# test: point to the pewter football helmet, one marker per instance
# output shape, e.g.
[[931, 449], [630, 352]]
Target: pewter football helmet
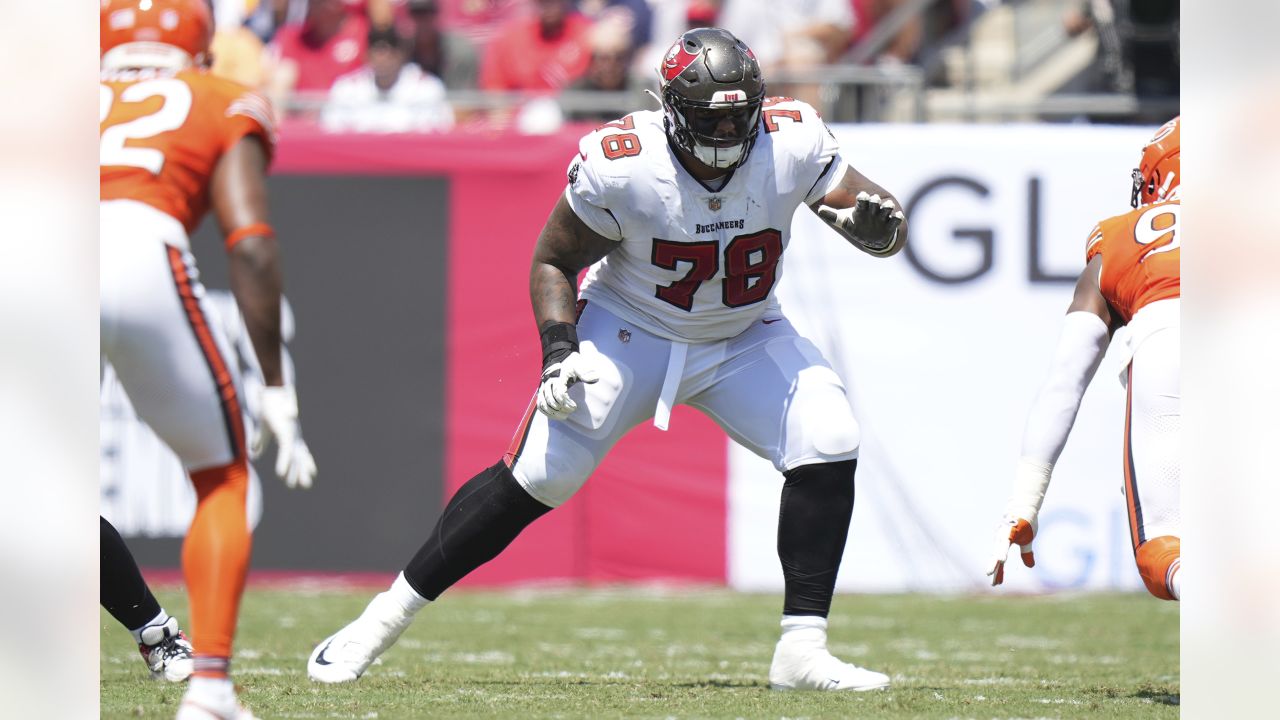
[[708, 76]]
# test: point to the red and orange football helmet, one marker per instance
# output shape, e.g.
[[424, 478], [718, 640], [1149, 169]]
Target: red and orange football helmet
[[1158, 173], [154, 33]]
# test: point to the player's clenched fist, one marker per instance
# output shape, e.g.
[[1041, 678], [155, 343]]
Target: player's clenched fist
[[557, 378], [872, 222]]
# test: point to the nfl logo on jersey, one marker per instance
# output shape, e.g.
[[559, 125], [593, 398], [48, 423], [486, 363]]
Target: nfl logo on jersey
[[714, 204]]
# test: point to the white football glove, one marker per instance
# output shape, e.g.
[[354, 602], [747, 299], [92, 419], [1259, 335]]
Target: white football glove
[[294, 463], [1012, 530], [872, 223], [557, 378]]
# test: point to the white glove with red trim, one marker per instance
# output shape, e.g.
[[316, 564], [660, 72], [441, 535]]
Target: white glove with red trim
[[1020, 522], [1012, 531]]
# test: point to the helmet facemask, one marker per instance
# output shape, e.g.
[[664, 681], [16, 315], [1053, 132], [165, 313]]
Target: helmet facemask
[[699, 128]]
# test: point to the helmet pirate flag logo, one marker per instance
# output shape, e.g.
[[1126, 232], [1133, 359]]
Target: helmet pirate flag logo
[[676, 61]]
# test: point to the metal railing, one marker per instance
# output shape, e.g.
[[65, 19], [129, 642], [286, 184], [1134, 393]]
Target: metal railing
[[833, 81], [845, 97]]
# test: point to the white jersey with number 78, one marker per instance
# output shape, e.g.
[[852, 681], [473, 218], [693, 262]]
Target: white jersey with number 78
[[697, 262]]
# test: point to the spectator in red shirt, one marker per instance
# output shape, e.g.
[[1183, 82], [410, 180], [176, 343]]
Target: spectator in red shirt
[[330, 42], [545, 50]]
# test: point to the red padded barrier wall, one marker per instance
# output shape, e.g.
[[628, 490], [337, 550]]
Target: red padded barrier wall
[[656, 509]]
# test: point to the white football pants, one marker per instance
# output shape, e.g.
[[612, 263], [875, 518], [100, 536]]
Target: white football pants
[[770, 389], [162, 338], [1153, 420]]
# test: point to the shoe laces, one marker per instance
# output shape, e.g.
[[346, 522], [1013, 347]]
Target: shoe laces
[[175, 647], [172, 647]]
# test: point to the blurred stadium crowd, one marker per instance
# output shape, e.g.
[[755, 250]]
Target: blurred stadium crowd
[[531, 65]]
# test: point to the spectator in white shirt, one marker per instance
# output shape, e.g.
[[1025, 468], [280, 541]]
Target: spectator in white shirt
[[388, 94]]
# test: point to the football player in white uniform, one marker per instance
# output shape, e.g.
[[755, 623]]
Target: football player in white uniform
[[682, 215]]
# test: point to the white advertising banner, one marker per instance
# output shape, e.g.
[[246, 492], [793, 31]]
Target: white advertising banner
[[944, 346]]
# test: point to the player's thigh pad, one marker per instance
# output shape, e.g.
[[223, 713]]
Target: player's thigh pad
[[168, 350], [1154, 424], [552, 459], [777, 396]]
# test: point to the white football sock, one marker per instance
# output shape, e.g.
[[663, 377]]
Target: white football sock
[[405, 596], [160, 619], [199, 685], [809, 629]]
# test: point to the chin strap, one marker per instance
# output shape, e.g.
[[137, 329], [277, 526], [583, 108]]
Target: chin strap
[[702, 151]]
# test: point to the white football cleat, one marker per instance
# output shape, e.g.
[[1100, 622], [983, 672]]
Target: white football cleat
[[807, 666], [166, 651], [212, 699], [345, 655]]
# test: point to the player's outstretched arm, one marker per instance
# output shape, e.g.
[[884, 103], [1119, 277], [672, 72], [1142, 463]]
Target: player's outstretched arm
[[867, 215], [565, 247], [1086, 332]]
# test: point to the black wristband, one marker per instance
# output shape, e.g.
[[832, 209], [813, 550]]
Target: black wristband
[[558, 341]]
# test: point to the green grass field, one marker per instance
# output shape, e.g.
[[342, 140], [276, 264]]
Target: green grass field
[[697, 654]]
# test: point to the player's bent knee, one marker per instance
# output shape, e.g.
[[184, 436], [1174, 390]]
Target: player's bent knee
[[834, 434], [1156, 557], [553, 478], [837, 439], [831, 430]]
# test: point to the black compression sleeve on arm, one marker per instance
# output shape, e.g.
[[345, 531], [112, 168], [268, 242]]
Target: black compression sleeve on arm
[[558, 341]]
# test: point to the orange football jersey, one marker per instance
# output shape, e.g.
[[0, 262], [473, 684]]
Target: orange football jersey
[[161, 134], [1141, 254]]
